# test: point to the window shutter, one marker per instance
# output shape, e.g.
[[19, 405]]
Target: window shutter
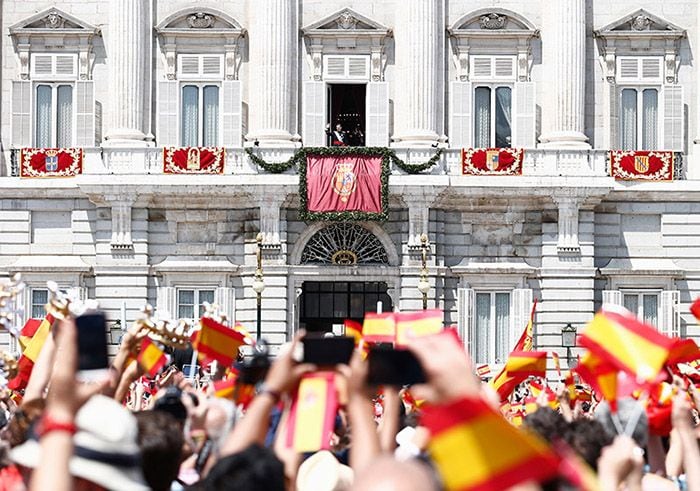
[[612, 297], [42, 65], [627, 69], [481, 67], [673, 117], [21, 113], [651, 69], [188, 65], [485, 68], [504, 67], [212, 66], [614, 101], [520, 308], [333, 67], [377, 114], [65, 65], [639, 69], [524, 128], [465, 315], [167, 128], [670, 319], [358, 67], [225, 298], [346, 67], [231, 113], [85, 113], [62, 66], [313, 131], [461, 115], [166, 301]]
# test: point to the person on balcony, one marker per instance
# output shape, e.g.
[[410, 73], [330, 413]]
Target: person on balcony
[[339, 138]]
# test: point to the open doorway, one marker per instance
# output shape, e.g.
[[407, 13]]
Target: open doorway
[[346, 106]]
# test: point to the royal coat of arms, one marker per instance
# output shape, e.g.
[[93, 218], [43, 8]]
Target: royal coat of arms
[[344, 181], [51, 160]]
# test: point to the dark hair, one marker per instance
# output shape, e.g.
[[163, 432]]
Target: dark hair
[[252, 469], [161, 448], [587, 437], [547, 423], [171, 403]]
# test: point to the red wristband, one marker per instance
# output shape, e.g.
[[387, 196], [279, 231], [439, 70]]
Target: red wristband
[[47, 424]]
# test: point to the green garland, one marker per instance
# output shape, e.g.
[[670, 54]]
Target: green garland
[[280, 167]]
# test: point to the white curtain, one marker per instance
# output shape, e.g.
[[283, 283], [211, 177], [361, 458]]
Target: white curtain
[[482, 117], [628, 118], [190, 116], [650, 119], [502, 323], [43, 116], [64, 116], [482, 332], [631, 303], [503, 117], [210, 124], [650, 305]]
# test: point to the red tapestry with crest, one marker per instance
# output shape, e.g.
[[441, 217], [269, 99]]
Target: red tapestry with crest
[[633, 165], [51, 162], [193, 160], [492, 161], [344, 183]]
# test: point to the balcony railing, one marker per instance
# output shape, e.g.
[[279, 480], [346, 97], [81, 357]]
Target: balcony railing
[[536, 162]]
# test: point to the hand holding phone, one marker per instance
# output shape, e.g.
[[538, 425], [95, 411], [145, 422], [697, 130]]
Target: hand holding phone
[[327, 351], [388, 366], [93, 359]]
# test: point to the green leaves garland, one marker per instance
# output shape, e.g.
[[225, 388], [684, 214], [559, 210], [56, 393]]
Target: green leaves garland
[[416, 168], [273, 168]]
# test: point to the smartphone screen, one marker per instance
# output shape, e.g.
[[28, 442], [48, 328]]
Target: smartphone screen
[[394, 367], [92, 342], [190, 370], [328, 351]]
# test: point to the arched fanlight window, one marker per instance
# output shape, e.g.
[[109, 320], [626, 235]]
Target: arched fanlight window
[[344, 244]]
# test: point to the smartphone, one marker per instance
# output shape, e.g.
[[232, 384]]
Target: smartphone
[[190, 370], [93, 360], [327, 350], [394, 367]]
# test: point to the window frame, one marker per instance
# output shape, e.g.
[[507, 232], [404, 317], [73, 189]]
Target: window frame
[[197, 306], [640, 293], [492, 348], [492, 86], [639, 137], [54, 112], [200, 84]]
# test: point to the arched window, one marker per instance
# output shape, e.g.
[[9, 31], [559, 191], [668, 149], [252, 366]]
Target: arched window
[[344, 244]]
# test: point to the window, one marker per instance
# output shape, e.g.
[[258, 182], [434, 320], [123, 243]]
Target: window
[[191, 301], [492, 116], [639, 118], [53, 115], [491, 334], [644, 304], [200, 115], [39, 298]]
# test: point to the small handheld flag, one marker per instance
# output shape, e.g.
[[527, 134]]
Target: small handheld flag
[[151, 357], [312, 414]]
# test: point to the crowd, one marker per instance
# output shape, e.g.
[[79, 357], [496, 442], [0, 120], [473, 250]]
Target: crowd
[[176, 430]]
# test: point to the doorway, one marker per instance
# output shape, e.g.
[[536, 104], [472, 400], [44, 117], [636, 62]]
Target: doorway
[[324, 305], [346, 106]]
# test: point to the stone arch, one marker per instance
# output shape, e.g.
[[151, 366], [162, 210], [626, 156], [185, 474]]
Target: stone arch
[[221, 19]]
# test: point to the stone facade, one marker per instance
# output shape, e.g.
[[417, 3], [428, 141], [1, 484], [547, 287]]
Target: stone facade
[[563, 232]]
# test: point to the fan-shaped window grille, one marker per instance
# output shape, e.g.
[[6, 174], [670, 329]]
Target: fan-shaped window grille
[[344, 244]]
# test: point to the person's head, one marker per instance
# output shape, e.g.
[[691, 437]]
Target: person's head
[[219, 420], [547, 423], [252, 469], [588, 438], [388, 474], [323, 472], [161, 448], [338, 127], [629, 412], [24, 417]]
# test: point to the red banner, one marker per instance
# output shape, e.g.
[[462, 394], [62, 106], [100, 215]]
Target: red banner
[[51, 162], [641, 165], [492, 161], [344, 183], [193, 160]]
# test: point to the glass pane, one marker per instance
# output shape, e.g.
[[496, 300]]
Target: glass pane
[[311, 301], [628, 120], [502, 327], [206, 296], [357, 305], [39, 299], [185, 297], [185, 311], [482, 334], [326, 305], [190, 119], [340, 305], [43, 116], [64, 116], [631, 302], [503, 117], [482, 117], [650, 119], [210, 122], [650, 306]]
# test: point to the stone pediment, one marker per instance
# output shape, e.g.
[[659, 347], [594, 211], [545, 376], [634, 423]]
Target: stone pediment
[[640, 23], [52, 21], [345, 20], [491, 20], [198, 20]]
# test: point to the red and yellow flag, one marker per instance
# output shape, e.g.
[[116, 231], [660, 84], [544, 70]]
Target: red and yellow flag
[[624, 342], [683, 351], [379, 328], [527, 363], [354, 330], [151, 357], [218, 341], [601, 376], [312, 414], [411, 325], [25, 364], [474, 448], [695, 308]]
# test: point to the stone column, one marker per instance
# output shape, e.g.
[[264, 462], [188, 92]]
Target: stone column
[[127, 47], [694, 174], [419, 41], [273, 88], [564, 53]]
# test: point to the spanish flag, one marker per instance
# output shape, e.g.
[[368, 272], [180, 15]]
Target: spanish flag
[[379, 328], [27, 333], [601, 376], [621, 340], [411, 325], [218, 341], [354, 330], [25, 364], [527, 363], [151, 357], [695, 308], [683, 351], [312, 414], [474, 448]]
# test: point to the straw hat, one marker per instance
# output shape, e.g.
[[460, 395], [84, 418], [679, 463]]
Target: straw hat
[[323, 472]]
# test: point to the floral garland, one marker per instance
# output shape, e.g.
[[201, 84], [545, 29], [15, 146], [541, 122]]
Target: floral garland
[[343, 216], [279, 167]]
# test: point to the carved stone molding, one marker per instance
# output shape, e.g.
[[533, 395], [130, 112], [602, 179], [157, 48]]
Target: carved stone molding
[[54, 21], [200, 20], [492, 21], [641, 23], [346, 21], [568, 220]]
